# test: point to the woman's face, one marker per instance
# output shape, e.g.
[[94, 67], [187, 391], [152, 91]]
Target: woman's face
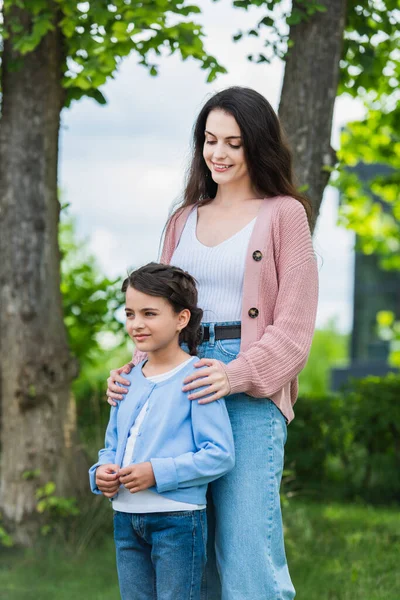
[[223, 149]]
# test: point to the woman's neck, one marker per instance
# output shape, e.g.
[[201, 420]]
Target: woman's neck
[[231, 195]]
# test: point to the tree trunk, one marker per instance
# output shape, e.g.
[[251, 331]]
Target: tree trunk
[[38, 420], [308, 95]]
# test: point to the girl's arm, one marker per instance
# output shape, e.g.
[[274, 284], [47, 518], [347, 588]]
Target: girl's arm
[[215, 454], [106, 454]]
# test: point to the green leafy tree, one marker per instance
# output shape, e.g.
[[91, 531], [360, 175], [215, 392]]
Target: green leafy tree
[[96, 337], [52, 52], [372, 73], [389, 330], [335, 47], [90, 300], [97, 35]]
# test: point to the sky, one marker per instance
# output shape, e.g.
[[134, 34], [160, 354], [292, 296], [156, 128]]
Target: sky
[[122, 165]]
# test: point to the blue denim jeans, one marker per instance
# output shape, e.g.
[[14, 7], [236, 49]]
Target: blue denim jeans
[[160, 556], [246, 554]]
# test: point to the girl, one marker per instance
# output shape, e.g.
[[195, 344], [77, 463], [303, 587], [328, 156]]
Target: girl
[[160, 448], [243, 232]]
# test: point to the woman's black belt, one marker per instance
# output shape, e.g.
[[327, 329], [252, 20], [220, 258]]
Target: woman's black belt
[[222, 332]]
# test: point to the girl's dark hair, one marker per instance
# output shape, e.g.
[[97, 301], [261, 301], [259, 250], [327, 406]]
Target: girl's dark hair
[[267, 154], [176, 286]]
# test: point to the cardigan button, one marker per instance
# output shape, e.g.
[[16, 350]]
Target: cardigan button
[[253, 313], [257, 255]]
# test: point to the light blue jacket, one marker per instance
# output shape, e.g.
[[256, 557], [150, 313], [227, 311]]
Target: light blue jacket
[[188, 444]]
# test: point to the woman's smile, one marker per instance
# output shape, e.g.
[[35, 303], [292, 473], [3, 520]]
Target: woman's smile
[[219, 167]]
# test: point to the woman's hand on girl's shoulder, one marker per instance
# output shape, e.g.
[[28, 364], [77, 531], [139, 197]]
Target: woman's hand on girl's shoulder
[[115, 391], [212, 378]]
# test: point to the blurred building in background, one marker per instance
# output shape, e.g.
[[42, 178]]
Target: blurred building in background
[[375, 289]]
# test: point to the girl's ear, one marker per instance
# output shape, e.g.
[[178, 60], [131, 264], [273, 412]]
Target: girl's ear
[[183, 318]]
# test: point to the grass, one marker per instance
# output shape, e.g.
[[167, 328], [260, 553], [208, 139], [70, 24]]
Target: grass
[[335, 552], [343, 552], [55, 573]]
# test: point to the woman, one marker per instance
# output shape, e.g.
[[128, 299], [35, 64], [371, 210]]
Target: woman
[[243, 233]]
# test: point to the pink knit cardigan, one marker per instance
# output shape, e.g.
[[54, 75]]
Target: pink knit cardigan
[[282, 285]]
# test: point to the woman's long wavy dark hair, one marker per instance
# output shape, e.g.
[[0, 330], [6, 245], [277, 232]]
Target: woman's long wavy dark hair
[[178, 288], [267, 154]]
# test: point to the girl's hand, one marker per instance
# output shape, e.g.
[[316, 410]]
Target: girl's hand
[[213, 376], [137, 477], [114, 391], [107, 479]]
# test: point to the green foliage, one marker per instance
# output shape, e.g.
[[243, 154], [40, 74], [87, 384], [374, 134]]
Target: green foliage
[[54, 507], [56, 511], [389, 330], [98, 34], [347, 445], [5, 538], [370, 59], [90, 300], [273, 27], [30, 475], [372, 208], [370, 71], [89, 390], [90, 303], [329, 349]]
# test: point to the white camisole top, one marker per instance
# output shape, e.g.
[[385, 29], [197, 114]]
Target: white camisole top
[[218, 270]]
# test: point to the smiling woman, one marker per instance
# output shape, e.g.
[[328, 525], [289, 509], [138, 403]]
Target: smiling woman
[[243, 233]]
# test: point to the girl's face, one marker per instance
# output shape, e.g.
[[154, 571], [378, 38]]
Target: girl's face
[[151, 321], [223, 149]]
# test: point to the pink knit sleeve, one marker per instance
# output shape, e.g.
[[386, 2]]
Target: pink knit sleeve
[[169, 239], [282, 351], [138, 356]]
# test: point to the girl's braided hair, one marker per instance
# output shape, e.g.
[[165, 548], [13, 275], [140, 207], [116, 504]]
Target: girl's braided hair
[[178, 287]]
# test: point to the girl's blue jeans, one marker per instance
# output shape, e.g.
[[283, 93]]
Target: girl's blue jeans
[[160, 556], [246, 554]]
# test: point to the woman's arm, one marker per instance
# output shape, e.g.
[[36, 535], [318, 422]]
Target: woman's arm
[[116, 383], [282, 351]]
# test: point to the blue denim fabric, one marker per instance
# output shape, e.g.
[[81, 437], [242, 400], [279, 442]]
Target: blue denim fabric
[[160, 556], [246, 554]]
